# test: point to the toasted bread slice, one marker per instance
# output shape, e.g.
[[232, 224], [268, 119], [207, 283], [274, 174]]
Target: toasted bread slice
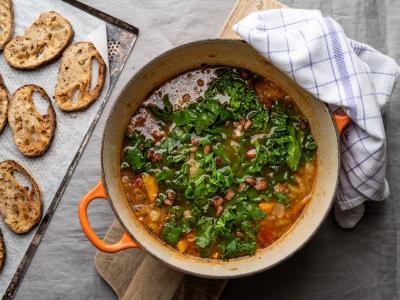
[[4, 96], [42, 42], [2, 251], [20, 207], [32, 132], [6, 22], [75, 75]]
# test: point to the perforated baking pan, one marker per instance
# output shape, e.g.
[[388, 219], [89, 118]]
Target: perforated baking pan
[[121, 38]]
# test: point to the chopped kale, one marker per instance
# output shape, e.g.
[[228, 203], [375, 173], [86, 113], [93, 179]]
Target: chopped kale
[[199, 162]]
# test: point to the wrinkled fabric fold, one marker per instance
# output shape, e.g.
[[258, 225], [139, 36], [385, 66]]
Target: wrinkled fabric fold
[[314, 51]]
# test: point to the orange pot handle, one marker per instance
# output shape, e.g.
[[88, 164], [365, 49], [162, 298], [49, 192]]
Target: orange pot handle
[[342, 121], [98, 192]]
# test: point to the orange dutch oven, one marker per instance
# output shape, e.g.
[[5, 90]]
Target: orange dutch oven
[[325, 128]]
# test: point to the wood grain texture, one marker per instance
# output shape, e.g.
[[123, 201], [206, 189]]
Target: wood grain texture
[[134, 275], [243, 8], [153, 280], [118, 269]]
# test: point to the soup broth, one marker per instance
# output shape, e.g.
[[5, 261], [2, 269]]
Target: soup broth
[[218, 163]]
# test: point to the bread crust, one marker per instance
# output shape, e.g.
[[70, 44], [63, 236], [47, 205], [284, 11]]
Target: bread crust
[[20, 207], [42, 43], [4, 100], [3, 252], [6, 22], [32, 132], [75, 74]]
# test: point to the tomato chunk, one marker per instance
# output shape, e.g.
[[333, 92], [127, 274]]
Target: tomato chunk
[[266, 236]]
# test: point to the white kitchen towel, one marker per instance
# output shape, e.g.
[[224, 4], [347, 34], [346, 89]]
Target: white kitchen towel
[[314, 51]]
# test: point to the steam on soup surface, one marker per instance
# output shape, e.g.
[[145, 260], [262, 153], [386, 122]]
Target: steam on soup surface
[[218, 163]]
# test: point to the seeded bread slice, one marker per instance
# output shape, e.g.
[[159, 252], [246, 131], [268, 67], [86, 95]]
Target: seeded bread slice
[[20, 207], [4, 96], [2, 251], [42, 42], [6, 22], [32, 132], [75, 75]]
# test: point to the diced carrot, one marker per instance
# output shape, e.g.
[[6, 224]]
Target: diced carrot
[[151, 186], [266, 207], [182, 245]]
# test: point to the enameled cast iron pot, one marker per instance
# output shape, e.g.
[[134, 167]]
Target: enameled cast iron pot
[[167, 66]]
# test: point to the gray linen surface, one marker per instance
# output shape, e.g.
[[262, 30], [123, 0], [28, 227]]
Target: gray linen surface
[[337, 264]]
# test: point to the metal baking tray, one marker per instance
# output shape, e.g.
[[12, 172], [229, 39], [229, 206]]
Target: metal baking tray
[[121, 38]]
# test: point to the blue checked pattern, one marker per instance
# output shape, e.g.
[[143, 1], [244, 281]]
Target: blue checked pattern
[[314, 51]]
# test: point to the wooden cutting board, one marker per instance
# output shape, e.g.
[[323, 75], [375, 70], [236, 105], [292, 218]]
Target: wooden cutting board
[[134, 275]]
